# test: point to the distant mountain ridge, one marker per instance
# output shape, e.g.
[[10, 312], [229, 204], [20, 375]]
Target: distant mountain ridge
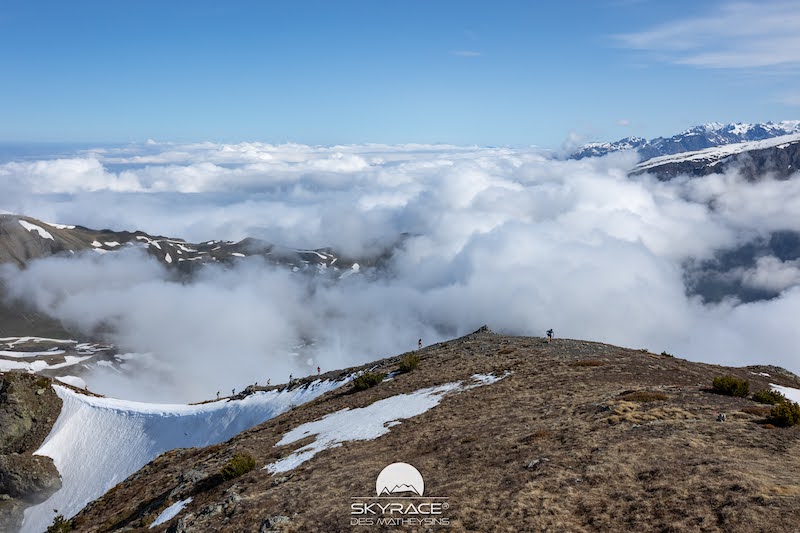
[[697, 138], [777, 157], [24, 238]]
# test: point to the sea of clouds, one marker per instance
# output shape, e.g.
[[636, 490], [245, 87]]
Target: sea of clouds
[[513, 238]]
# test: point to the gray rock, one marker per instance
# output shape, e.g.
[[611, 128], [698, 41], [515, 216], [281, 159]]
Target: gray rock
[[536, 463], [268, 524], [183, 525], [32, 478], [211, 510]]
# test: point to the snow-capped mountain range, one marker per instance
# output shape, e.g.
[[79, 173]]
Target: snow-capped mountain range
[[696, 138]]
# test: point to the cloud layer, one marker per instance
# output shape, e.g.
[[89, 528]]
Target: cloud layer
[[734, 35], [510, 238]]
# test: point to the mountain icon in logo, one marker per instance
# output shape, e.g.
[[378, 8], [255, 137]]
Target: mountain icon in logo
[[399, 478]]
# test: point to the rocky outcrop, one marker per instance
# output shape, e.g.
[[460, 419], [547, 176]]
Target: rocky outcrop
[[28, 409]]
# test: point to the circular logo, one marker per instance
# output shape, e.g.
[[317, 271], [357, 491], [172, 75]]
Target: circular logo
[[398, 478]]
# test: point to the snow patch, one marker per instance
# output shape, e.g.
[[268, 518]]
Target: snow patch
[[366, 423], [75, 381], [8, 353], [59, 226], [38, 366], [170, 512], [791, 393], [43, 233], [11, 341]]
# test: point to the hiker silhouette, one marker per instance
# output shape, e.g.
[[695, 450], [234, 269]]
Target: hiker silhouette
[[549, 335]]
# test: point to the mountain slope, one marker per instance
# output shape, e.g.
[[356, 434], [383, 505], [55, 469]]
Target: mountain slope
[[517, 434], [692, 139], [778, 157], [24, 238]]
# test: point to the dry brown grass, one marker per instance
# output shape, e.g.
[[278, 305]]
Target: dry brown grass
[[545, 449], [644, 396], [536, 436], [587, 362], [758, 411], [625, 411]]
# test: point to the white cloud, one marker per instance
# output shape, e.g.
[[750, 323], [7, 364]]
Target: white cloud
[[734, 35], [511, 238], [773, 274]]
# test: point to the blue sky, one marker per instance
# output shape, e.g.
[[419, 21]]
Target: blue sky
[[488, 73]]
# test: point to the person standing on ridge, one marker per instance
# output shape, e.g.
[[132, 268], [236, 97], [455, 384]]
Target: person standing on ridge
[[318, 371], [419, 345], [549, 335]]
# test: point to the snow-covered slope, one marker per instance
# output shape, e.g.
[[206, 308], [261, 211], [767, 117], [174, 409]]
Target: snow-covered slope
[[696, 138], [779, 156], [98, 442], [718, 153]]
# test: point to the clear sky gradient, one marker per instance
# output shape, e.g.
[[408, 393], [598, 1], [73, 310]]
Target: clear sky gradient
[[488, 73]]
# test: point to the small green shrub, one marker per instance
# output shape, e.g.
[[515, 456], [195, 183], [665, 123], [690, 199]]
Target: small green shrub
[[785, 414], [367, 380], [731, 386], [769, 396], [409, 362], [60, 524], [241, 463], [667, 354]]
